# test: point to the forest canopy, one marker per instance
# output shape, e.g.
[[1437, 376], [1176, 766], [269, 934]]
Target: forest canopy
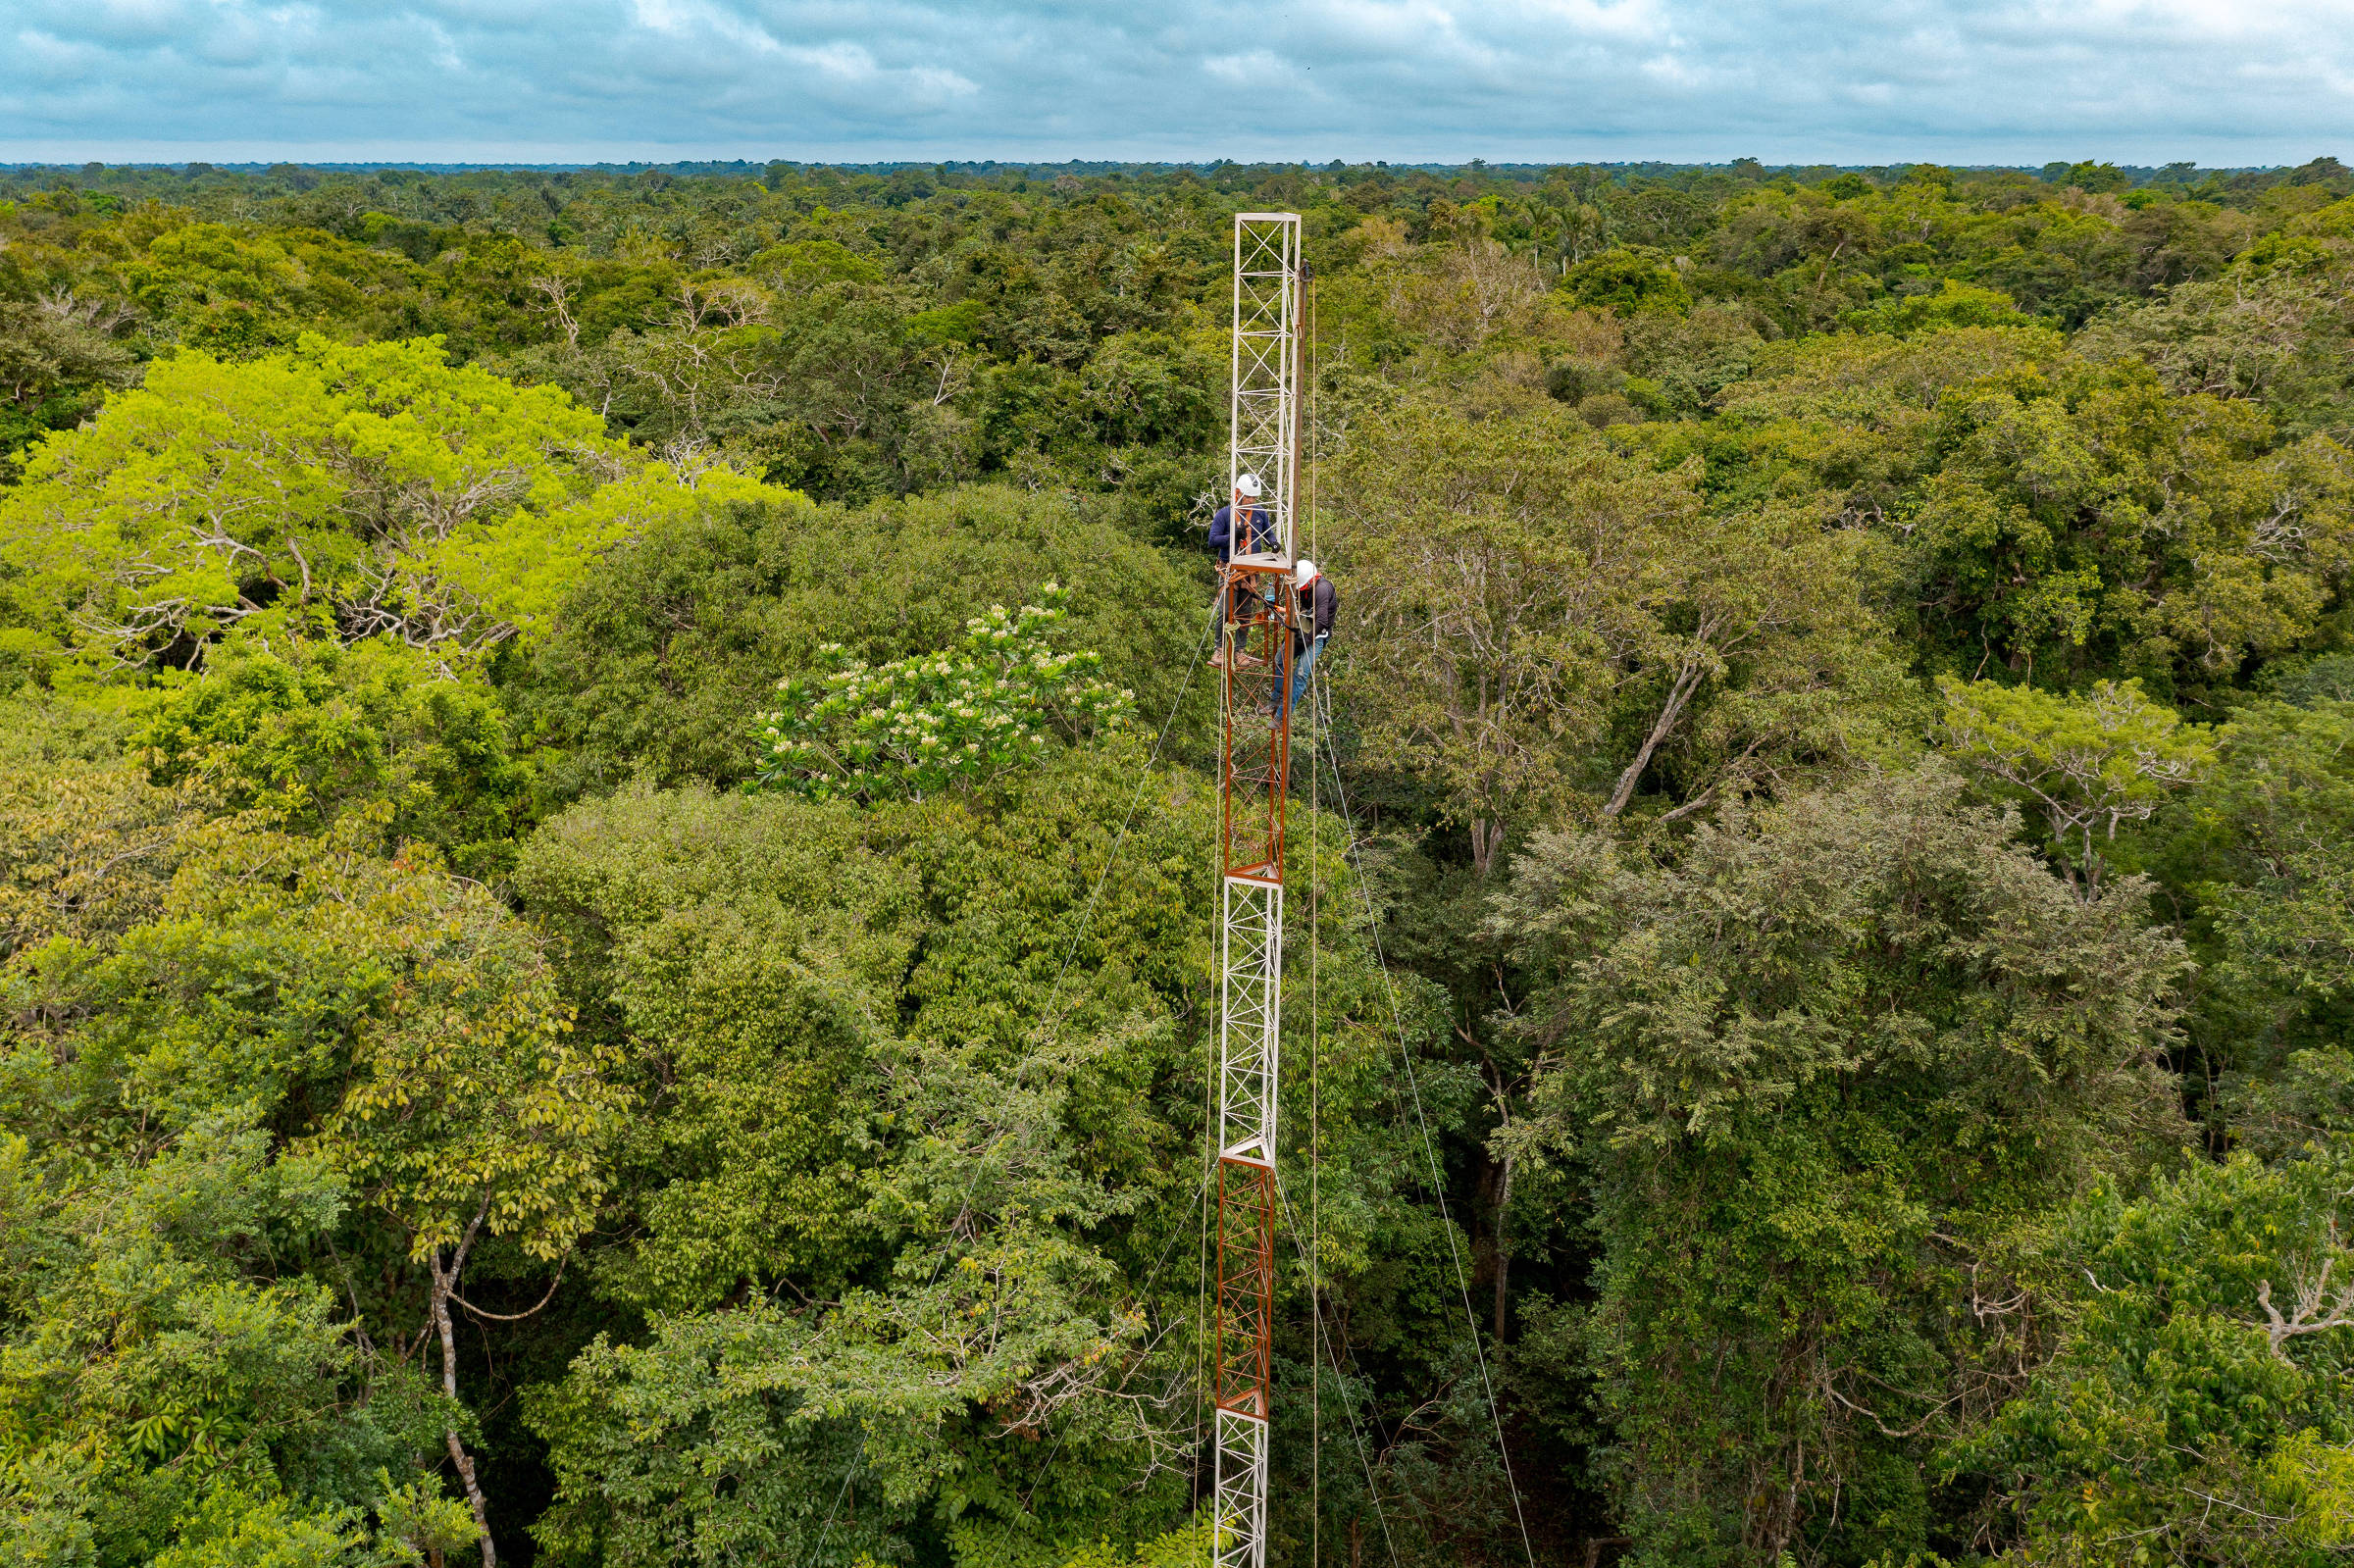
[[607, 891]]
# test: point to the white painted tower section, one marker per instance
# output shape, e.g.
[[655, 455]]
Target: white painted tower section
[[1262, 421]]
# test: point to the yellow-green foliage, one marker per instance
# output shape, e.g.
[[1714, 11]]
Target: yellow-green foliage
[[421, 1073], [331, 491], [1179, 1549], [2091, 762]]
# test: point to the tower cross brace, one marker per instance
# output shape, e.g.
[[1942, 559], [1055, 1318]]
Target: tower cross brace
[[1256, 598]]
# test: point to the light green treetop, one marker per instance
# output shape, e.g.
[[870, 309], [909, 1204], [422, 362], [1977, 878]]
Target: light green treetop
[[328, 492], [2091, 762]]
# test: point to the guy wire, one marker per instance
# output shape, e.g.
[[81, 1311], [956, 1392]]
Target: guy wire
[[1315, 1081], [1332, 756], [1209, 1155], [1381, 1515]]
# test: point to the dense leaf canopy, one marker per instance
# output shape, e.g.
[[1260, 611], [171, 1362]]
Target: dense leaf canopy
[[607, 894]]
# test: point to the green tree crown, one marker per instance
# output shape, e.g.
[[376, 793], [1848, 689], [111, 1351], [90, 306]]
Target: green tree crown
[[917, 727]]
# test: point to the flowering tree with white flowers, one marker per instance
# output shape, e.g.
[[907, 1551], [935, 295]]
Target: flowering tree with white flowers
[[920, 726]]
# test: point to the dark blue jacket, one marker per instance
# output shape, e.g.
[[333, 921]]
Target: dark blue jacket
[[1258, 527], [1320, 605]]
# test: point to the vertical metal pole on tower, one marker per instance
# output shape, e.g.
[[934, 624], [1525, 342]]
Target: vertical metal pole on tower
[[1254, 765]]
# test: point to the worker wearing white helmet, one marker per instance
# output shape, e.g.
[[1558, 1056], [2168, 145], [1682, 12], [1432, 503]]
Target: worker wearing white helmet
[[1258, 531], [1318, 604], [1255, 535]]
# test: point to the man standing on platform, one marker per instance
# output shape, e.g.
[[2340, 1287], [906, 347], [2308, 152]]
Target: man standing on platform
[[1241, 527]]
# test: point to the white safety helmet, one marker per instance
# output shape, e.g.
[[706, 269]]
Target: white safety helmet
[[1247, 485], [1302, 574]]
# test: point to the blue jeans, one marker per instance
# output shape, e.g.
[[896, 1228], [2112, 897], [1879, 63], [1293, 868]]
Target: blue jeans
[[1304, 664]]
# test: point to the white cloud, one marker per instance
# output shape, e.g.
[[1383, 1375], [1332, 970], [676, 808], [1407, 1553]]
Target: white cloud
[[942, 85], [1626, 19], [1258, 69], [1674, 71], [843, 62], [1962, 80], [662, 16], [446, 49]]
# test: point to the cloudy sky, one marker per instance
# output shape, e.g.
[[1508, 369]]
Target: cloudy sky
[[2220, 81]]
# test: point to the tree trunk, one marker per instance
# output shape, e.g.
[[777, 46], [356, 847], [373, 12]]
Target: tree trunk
[[1687, 681], [1487, 836], [1501, 1091], [1504, 1251], [444, 1285]]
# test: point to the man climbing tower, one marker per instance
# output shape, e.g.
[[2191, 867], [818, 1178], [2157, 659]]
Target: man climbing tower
[[1318, 604], [1253, 534]]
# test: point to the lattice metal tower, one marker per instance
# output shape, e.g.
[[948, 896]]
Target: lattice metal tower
[[1258, 604]]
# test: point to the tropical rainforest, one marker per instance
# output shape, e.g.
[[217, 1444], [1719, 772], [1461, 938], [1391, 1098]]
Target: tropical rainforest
[[608, 886]]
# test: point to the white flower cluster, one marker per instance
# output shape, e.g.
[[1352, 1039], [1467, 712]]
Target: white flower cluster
[[919, 725]]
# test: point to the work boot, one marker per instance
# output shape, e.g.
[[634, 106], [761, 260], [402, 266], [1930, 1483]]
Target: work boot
[[1248, 660], [1217, 660]]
